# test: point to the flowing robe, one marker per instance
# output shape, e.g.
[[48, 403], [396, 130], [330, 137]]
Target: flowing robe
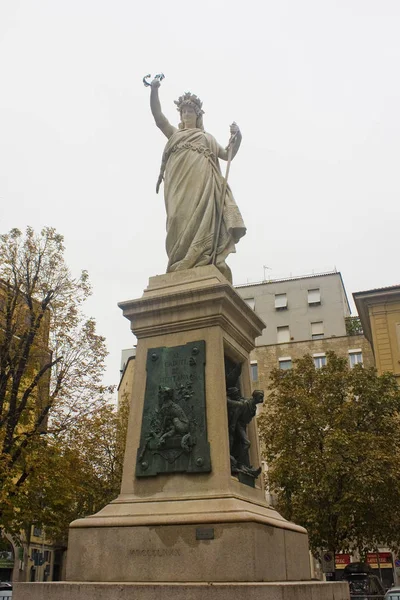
[[192, 189]]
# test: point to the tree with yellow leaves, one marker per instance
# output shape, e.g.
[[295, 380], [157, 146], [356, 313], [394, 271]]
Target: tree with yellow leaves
[[51, 366]]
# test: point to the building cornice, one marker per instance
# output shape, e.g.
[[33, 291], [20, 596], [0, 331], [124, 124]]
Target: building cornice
[[364, 300]]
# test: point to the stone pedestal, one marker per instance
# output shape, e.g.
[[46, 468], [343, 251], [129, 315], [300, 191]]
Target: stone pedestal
[[184, 591], [184, 530], [153, 530]]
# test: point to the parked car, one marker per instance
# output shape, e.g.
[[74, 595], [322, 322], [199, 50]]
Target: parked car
[[362, 582], [393, 594], [5, 590]]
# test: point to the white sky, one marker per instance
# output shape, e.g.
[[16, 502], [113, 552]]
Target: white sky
[[313, 84]]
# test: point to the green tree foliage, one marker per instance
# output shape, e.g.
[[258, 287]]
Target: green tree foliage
[[51, 366], [79, 472], [332, 440]]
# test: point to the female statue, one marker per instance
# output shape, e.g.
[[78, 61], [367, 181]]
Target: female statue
[[193, 187]]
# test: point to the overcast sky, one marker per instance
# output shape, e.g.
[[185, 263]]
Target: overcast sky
[[313, 84]]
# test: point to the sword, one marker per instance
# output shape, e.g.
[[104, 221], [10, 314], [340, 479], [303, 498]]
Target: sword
[[224, 187]]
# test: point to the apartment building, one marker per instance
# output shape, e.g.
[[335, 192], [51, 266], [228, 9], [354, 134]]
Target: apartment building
[[303, 315]]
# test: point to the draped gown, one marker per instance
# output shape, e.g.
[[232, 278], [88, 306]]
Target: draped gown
[[192, 188]]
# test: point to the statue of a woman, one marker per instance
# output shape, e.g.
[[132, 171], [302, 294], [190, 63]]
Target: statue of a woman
[[193, 187]]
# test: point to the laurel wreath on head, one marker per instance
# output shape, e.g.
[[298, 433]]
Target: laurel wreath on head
[[192, 100]]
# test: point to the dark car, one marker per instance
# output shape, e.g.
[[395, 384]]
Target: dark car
[[362, 582]]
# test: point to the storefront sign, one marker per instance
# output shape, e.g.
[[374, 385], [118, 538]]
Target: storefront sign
[[385, 560], [341, 560]]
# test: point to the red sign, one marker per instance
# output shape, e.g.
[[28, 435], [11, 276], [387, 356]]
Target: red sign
[[341, 560], [385, 560]]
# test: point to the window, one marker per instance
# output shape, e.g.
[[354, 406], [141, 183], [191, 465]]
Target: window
[[37, 531], [285, 363], [254, 370], [355, 357], [319, 360], [36, 556], [314, 297], [250, 302], [282, 334], [317, 330], [280, 301]]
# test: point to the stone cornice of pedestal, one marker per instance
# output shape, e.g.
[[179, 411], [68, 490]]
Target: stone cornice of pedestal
[[185, 512], [208, 306], [272, 590]]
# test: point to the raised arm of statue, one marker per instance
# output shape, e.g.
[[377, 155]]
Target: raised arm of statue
[[236, 137], [160, 119]]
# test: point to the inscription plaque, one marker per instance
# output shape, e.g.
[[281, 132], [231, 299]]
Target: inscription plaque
[[205, 533], [174, 427]]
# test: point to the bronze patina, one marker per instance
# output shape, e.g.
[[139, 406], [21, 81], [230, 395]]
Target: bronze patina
[[174, 427]]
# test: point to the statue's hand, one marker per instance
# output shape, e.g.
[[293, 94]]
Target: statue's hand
[[234, 129], [155, 84]]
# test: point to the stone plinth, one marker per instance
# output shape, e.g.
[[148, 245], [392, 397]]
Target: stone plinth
[[185, 591], [241, 551]]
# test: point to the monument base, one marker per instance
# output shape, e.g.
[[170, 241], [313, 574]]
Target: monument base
[[182, 591], [169, 524], [205, 552]]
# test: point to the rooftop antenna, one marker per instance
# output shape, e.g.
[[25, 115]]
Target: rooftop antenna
[[265, 268]]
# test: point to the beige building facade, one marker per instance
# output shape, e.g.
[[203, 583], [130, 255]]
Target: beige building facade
[[127, 371], [379, 311], [304, 315], [299, 308], [266, 358]]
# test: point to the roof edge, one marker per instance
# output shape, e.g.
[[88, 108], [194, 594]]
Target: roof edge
[[310, 276]]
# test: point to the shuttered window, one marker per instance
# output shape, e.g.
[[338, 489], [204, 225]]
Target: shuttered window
[[317, 330], [314, 296], [282, 334], [280, 301]]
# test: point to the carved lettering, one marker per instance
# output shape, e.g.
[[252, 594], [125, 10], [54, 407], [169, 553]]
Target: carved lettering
[[182, 362], [155, 552]]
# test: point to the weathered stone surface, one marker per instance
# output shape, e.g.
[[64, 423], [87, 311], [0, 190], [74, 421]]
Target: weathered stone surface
[[185, 591], [243, 551]]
